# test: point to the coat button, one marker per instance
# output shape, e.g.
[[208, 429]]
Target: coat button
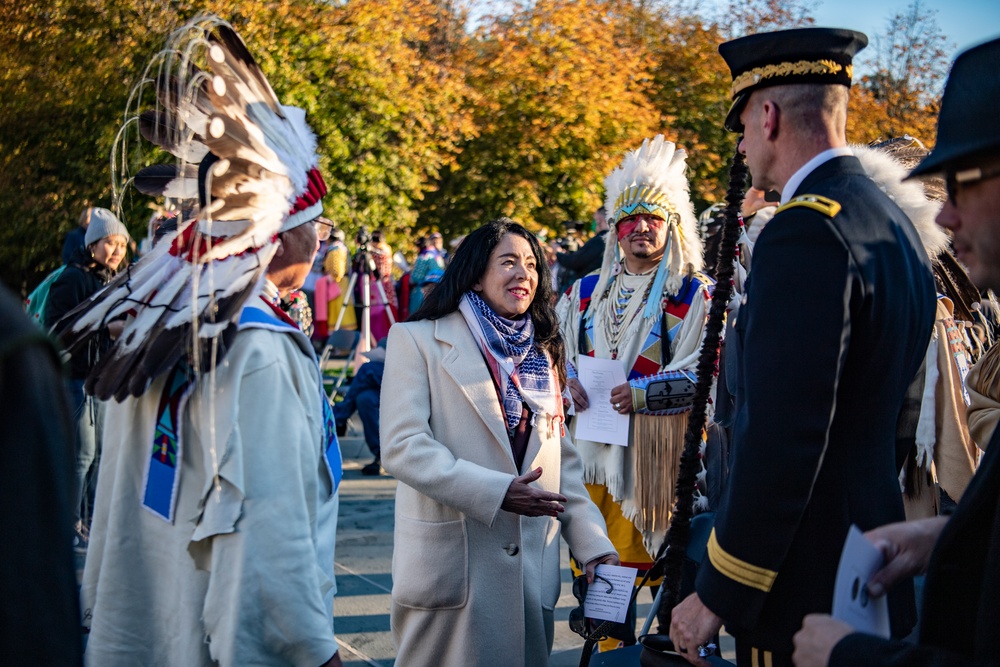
[[512, 549]]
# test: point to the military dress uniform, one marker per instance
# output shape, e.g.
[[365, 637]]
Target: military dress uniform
[[838, 311], [819, 387]]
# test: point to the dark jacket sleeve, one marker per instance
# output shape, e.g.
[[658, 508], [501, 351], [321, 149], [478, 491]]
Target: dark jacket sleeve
[[861, 650], [589, 254], [67, 292], [782, 429], [38, 588]]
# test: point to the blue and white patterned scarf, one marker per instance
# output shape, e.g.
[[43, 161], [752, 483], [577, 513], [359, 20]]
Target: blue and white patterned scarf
[[523, 373]]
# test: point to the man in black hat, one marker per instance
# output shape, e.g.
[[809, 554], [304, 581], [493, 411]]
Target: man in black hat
[[818, 387], [960, 554]]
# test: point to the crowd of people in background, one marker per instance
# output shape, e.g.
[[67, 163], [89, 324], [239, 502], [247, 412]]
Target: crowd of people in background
[[782, 421]]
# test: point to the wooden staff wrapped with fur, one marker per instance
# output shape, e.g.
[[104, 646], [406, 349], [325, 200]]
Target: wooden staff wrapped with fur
[[672, 552]]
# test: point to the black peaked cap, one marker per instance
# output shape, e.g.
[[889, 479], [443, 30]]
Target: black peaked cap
[[802, 55]]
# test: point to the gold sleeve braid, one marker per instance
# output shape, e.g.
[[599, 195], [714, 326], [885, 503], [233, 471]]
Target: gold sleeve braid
[[738, 570]]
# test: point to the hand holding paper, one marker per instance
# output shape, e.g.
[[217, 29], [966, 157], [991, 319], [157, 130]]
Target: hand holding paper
[[851, 601], [600, 422], [609, 596]]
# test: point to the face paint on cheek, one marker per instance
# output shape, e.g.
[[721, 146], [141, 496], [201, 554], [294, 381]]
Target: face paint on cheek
[[626, 227]]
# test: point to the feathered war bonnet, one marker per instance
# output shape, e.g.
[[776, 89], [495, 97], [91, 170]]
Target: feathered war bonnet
[[888, 173], [888, 164], [255, 162], [651, 180]]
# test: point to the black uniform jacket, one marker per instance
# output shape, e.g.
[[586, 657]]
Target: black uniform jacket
[[961, 622], [837, 318]]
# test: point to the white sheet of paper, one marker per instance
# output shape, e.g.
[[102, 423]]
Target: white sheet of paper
[[600, 422], [610, 602], [858, 562]]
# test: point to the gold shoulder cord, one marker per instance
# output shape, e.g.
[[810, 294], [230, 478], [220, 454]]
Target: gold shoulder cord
[[824, 205]]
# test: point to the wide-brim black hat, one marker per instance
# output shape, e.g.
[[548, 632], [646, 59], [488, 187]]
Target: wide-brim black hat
[[802, 55], [967, 124]]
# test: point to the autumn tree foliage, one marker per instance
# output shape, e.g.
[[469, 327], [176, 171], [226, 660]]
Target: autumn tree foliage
[[907, 64], [746, 17], [690, 92], [430, 114], [65, 72], [387, 106], [555, 99]]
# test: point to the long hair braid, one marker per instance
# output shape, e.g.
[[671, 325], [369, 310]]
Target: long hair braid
[[679, 533]]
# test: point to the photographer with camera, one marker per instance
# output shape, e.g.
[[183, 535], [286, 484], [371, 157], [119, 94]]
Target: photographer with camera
[[587, 259], [373, 284]]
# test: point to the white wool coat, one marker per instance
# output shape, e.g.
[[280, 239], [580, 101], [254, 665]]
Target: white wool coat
[[472, 584]]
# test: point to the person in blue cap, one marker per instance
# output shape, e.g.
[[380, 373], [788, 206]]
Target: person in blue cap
[[837, 314], [961, 553]]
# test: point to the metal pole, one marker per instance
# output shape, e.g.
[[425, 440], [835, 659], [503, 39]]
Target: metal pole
[[366, 315]]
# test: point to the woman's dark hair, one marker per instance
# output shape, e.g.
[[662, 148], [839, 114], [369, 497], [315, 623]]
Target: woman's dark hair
[[468, 266], [679, 533]]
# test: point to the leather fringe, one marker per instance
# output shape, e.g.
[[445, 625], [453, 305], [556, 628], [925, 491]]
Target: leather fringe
[[658, 443]]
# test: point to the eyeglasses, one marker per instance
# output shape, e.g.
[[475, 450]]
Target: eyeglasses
[[323, 228], [967, 177]]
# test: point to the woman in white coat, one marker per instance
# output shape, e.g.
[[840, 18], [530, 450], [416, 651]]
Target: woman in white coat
[[472, 427]]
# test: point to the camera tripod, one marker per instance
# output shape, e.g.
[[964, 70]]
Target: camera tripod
[[364, 266]]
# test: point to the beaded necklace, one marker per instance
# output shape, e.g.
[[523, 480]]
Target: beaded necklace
[[620, 312]]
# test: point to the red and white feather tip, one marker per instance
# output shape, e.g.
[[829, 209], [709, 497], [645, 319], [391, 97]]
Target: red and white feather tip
[[182, 300]]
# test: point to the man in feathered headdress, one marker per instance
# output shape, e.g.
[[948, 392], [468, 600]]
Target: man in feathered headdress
[[647, 308], [214, 531], [819, 387]]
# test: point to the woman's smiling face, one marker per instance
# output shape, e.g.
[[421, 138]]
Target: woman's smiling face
[[511, 278]]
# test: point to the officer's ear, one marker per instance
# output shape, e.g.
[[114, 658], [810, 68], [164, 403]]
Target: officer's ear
[[770, 119]]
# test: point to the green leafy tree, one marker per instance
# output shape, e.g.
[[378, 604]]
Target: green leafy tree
[[65, 73], [385, 96]]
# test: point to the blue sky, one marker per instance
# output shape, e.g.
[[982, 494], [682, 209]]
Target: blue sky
[[964, 22]]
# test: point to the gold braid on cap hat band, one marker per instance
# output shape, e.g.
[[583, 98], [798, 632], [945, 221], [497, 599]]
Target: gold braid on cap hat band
[[802, 67]]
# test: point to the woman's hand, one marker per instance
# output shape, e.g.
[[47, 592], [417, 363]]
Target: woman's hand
[[578, 393], [527, 500], [591, 567], [621, 398]]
